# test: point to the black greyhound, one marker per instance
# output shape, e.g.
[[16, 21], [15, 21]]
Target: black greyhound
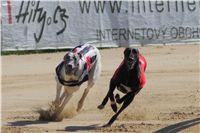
[[129, 78]]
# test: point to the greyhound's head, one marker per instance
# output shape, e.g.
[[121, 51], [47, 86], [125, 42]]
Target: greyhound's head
[[131, 56], [71, 62]]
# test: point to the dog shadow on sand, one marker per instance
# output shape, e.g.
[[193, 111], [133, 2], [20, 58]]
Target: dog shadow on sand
[[69, 128], [82, 128], [174, 128], [26, 122]]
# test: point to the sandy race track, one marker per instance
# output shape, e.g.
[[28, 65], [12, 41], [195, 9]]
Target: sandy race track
[[170, 101]]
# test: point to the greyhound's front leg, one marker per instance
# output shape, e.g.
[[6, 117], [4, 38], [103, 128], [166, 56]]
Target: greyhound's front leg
[[81, 101], [111, 96], [67, 97], [62, 97], [58, 91], [105, 100]]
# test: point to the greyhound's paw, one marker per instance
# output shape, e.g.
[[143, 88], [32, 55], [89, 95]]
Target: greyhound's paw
[[117, 97], [56, 118], [106, 125], [100, 107], [53, 117], [78, 110], [114, 107], [79, 107], [56, 103]]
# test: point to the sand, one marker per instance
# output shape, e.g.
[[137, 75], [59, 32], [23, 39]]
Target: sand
[[169, 102]]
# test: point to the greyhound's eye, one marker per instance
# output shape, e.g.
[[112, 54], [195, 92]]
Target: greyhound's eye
[[75, 59], [67, 58]]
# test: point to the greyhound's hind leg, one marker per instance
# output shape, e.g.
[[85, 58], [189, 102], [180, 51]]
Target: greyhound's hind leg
[[126, 103]]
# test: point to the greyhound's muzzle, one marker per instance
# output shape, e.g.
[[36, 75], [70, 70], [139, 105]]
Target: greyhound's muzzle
[[69, 69], [130, 63]]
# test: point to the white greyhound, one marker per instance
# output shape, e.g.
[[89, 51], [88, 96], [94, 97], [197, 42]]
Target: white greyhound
[[82, 63]]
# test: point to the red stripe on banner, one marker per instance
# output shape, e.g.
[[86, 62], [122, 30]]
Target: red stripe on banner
[[9, 12]]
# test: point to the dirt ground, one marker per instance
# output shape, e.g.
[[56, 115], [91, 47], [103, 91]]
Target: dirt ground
[[169, 102]]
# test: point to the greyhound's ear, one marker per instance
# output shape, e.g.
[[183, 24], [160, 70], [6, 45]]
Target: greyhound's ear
[[127, 52], [135, 51], [77, 56], [66, 56]]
